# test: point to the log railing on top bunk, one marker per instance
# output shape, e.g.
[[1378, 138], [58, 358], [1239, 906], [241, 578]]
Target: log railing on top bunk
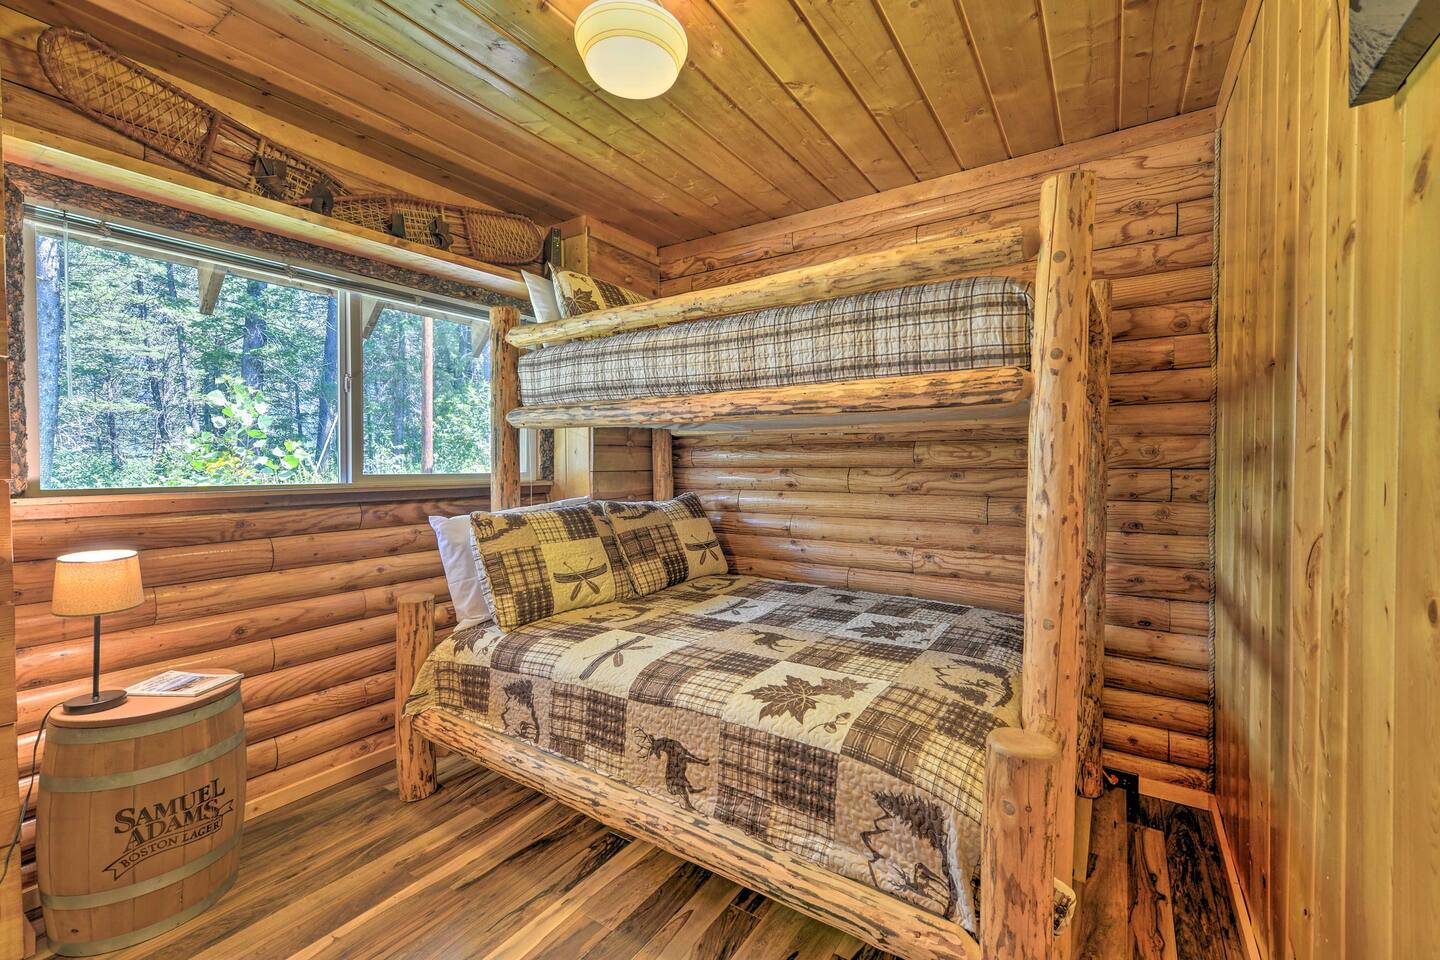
[[1029, 823]]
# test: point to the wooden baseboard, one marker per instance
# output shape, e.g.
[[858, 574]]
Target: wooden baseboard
[[1237, 892], [1176, 793], [300, 789]]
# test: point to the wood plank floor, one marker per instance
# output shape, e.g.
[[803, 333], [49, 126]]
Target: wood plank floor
[[1156, 887], [489, 869]]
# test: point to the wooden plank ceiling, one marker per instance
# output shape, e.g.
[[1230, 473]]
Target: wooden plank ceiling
[[785, 105]]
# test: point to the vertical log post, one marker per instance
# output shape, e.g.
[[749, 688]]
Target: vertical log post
[[662, 466], [1092, 632], [1017, 847], [504, 397], [414, 639], [1056, 494]]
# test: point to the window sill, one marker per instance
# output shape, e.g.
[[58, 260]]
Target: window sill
[[55, 505]]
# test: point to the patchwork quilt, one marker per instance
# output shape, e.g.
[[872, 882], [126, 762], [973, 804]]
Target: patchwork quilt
[[845, 727]]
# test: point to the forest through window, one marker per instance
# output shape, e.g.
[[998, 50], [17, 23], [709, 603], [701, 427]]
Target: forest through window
[[160, 371]]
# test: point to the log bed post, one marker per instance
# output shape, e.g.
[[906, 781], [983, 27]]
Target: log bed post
[[662, 465], [414, 639], [1029, 826], [1092, 633], [504, 397], [1017, 850]]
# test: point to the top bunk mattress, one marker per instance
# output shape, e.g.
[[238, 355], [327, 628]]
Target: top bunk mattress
[[938, 327]]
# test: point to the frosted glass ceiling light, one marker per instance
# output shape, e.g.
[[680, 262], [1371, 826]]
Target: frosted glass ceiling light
[[631, 48]]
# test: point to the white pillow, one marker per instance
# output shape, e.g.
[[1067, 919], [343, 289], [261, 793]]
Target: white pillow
[[456, 538], [542, 297]]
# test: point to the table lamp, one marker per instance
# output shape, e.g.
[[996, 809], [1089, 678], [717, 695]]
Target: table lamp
[[90, 584]]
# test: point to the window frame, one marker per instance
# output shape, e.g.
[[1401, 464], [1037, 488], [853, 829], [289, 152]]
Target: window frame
[[349, 369]]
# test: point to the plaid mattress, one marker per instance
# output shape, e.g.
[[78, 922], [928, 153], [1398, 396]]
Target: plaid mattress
[[845, 727], [955, 325]]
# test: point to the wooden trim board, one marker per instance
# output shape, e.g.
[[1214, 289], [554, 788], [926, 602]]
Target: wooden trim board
[[300, 789], [1237, 891], [99, 167]]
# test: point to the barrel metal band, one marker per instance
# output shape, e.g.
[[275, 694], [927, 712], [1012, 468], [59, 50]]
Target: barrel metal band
[[89, 901], [119, 942], [131, 778], [57, 734]]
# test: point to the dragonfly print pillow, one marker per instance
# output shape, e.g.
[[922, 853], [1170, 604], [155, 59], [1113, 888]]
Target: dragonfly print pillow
[[542, 562], [665, 542]]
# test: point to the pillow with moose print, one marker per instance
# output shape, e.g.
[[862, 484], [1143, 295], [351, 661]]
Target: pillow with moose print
[[542, 562]]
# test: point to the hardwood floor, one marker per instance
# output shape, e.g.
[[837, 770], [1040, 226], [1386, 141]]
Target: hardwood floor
[[489, 869], [1156, 888], [483, 869]]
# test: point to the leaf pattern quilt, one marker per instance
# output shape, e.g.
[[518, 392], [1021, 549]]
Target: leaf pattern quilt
[[845, 727]]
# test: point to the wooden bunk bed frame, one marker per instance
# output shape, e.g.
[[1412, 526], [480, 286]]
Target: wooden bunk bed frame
[[1029, 829]]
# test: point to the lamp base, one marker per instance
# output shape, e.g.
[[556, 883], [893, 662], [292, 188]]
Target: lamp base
[[107, 700]]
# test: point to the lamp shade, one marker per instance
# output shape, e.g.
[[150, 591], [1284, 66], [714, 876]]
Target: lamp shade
[[631, 48], [95, 582]]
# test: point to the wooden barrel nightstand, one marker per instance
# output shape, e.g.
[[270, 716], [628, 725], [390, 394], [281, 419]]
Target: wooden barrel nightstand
[[139, 817]]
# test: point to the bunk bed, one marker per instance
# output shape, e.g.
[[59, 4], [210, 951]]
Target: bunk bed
[[1031, 836]]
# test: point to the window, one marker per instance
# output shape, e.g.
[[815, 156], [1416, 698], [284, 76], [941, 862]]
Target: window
[[155, 366], [427, 395]]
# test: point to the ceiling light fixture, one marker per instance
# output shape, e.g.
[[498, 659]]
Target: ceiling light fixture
[[631, 48]]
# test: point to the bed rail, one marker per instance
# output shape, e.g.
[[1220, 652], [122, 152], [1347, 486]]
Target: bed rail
[[915, 397], [929, 262]]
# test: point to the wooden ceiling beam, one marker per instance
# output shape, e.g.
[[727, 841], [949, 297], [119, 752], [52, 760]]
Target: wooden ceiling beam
[[85, 163]]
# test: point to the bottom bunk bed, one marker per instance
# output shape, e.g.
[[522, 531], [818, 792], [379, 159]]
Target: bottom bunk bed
[[824, 745]]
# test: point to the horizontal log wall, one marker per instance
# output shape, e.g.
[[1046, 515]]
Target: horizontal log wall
[[939, 513], [295, 590]]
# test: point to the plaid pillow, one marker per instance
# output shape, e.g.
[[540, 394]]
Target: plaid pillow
[[579, 294], [542, 562], [665, 542]]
